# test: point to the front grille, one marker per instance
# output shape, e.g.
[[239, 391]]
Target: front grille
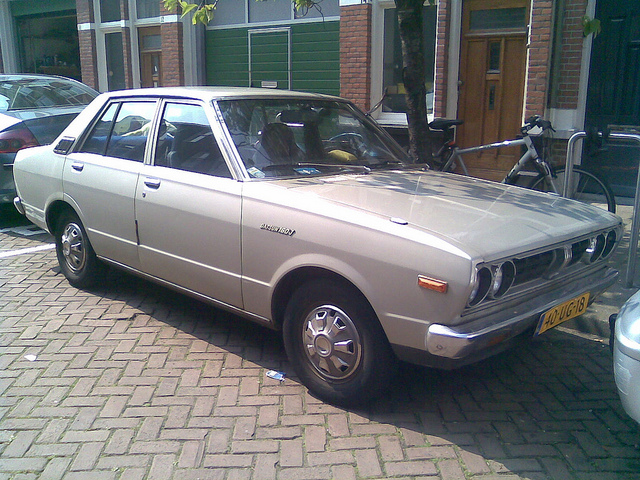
[[539, 266]]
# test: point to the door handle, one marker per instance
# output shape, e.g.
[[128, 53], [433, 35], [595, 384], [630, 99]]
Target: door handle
[[77, 166], [152, 183]]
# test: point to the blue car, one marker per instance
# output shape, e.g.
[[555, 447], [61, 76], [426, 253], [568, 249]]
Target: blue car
[[34, 109]]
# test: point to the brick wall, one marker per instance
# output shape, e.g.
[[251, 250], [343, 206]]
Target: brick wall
[[87, 43], [537, 81], [442, 58], [568, 74], [172, 52], [355, 54]]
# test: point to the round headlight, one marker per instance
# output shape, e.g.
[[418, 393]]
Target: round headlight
[[595, 248], [503, 278], [482, 286], [609, 243]]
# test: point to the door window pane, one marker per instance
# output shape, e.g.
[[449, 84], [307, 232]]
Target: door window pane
[[392, 80], [97, 140], [130, 131], [186, 142], [115, 61], [498, 19]]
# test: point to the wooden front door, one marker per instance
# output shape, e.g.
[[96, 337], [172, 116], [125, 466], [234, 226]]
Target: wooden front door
[[150, 57], [492, 75]]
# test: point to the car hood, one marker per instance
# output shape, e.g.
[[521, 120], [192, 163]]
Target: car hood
[[481, 217]]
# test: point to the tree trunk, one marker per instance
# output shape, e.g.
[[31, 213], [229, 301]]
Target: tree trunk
[[411, 26]]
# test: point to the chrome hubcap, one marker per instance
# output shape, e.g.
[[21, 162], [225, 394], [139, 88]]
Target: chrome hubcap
[[73, 250], [332, 342]]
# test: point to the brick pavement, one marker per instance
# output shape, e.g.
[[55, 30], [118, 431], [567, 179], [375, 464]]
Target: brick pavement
[[132, 381]]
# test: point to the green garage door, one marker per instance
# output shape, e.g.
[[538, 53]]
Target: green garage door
[[270, 58]]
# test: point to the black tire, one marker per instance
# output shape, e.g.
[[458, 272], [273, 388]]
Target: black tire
[[587, 187], [77, 260], [335, 343]]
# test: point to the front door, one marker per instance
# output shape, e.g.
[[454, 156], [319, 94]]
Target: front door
[[150, 57], [613, 97], [492, 74]]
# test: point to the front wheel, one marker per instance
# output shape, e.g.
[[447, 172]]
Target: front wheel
[[585, 187], [335, 343], [78, 261]]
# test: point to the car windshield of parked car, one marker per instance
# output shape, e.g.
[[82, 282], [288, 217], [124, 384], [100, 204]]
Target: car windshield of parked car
[[23, 93], [290, 137]]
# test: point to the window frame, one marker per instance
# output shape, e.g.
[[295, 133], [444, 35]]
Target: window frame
[[377, 59]]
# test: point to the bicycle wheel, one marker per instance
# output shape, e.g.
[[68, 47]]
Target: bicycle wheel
[[585, 187]]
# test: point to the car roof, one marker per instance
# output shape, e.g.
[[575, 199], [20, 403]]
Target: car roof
[[208, 93]]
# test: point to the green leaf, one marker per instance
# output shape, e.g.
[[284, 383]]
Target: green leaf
[[591, 25]]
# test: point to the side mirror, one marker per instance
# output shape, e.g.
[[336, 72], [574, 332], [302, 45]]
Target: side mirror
[[64, 145]]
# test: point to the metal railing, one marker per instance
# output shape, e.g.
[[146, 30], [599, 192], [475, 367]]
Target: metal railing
[[635, 225]]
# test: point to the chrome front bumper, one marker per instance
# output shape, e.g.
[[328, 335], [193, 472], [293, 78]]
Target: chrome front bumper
[[17, 202], [471, 341]]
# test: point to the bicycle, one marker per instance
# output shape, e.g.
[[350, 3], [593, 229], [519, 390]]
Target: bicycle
[[584, 185]]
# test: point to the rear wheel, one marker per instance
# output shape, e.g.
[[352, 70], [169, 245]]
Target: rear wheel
[[78, 261], [336, 344], [585, 187]]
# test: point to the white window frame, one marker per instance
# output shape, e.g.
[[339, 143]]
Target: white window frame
[[377, 46]]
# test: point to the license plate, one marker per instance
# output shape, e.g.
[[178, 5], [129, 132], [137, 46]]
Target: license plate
[[563, 312]]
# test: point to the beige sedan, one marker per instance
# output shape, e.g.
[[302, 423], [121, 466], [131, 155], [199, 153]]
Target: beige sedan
[[298, 212]]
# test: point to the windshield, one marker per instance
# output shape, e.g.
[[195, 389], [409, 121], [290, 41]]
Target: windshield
[[23, 93], [290, 137]]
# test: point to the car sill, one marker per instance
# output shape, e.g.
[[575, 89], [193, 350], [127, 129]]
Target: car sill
[[198, 296]]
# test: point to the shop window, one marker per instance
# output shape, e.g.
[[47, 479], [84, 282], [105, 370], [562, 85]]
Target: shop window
[[48, 44], [392, 82]]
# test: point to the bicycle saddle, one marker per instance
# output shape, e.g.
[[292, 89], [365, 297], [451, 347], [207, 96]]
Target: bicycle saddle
[[444, 123]]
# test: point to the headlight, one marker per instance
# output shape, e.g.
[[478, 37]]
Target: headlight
[[595, 248], [609, 243], [483, 283], [503, 277]]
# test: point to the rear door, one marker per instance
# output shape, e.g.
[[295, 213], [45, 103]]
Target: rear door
[[101, 177]]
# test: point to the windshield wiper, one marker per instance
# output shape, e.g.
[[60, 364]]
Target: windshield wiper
[[388, 163], [362, 168]]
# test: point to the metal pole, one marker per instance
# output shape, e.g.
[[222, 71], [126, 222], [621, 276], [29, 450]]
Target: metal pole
[[635, 225]]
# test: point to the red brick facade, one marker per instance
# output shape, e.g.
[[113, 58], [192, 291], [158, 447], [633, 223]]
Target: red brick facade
[[568, 74], [87, 41], [442, 58], [539, 57], [355, 54], [172, 47]]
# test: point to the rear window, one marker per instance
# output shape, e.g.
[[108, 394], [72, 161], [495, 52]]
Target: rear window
[[23, 93]]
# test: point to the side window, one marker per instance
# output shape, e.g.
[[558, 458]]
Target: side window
[[131, 130], [122, 131], [186, 142], [96, 142]]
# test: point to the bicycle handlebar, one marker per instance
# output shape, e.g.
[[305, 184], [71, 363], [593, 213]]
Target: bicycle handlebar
[[536, 121]]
